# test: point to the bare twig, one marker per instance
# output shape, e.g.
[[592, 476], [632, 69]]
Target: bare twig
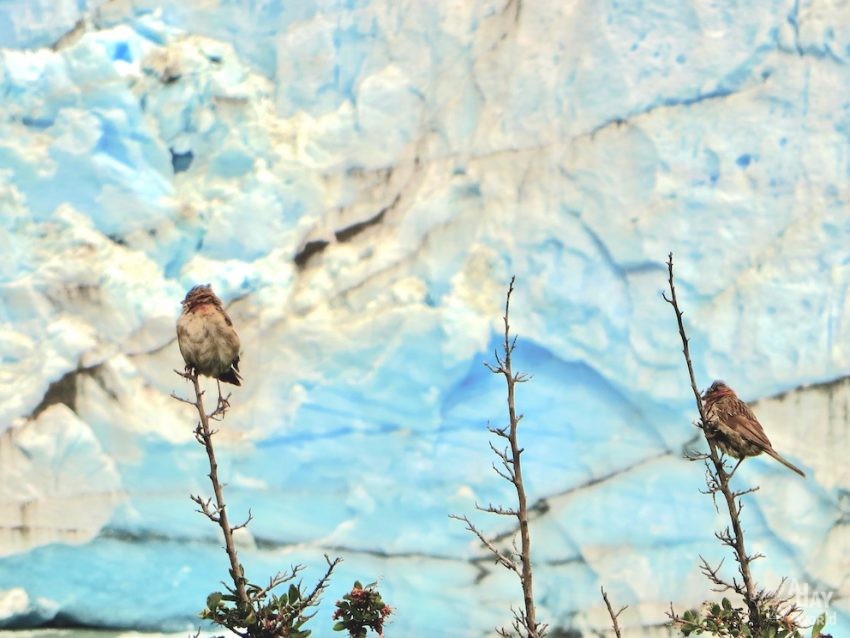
[[204, 506], [501, 559], [497, 509], [718, 480], [313, 596], [245, 523], [713, 574], [525, 621], [219, 515], [529, 617], [278, 579], [248, 612], [611, 613]]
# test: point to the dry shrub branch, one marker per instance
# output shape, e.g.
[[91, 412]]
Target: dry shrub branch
[[767, 614], [248, 610], [509, 468], [614, 615]]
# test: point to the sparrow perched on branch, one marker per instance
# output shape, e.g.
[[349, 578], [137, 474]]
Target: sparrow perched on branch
[[205, 334], [734, 427]]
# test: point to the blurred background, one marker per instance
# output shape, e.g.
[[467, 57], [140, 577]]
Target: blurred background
[[359, 180]]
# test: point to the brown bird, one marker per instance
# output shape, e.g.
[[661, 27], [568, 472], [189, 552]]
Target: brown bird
[[734, 427], [205, 335]]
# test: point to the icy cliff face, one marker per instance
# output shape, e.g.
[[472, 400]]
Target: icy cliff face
[[359, 181]]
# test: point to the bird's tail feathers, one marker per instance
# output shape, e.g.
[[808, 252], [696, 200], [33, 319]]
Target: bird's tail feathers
[[231, 376], [787, 464]]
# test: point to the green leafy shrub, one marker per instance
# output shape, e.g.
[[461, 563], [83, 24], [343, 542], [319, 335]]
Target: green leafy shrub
[[776, 620], [361, 609], [267, 615]]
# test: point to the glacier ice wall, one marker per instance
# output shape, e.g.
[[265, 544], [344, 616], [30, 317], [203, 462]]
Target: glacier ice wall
[[359, 180]]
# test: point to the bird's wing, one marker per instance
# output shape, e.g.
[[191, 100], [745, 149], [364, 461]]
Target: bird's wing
[[183, 338], [224, 329], [741, 418]]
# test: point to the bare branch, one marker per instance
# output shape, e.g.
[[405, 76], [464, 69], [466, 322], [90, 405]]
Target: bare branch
[[685, 350], [502, 432], [717, 478], [525, 622], [611, 613], [323, 582], [181, 399], [492, 368], [205, 508], [503, 560], [492, 509], [502, 454], [219, 514], [713, 574], [742, 493], [245, 524], [278, 579], [508, 476]]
